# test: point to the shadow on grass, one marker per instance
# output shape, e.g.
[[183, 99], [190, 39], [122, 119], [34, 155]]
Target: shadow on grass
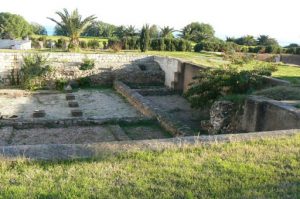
[[293, 80]]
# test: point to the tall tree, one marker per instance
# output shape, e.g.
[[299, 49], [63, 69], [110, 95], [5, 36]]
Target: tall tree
[[247, 40], [167, 32], [99, 29], [197, 32], [144, 38], [38, 29], [60, 31], [13, 26], [130, 31], [153, 31], [73, 24], [265, 40], [120, 32]]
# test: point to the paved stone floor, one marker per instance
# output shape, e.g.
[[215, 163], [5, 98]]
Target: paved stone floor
[[93, 102], [178, 107]]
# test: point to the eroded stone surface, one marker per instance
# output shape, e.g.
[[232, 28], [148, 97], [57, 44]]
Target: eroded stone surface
[[76, 113], [73, 104], [146, 132], [70, 96], [71, 135], [39, 113]]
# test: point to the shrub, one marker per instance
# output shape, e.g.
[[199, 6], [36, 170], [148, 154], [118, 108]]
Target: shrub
[[274, 49], [83, 44], [61, 43], [211, 84], [84, 82], [182, 45], [87, 64], [60, 84], [116, 47], [292, 50], [265, 68], [33, 71], [93, 44], [104, 44]]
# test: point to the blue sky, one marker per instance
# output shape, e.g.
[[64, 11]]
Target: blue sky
[[277, 18]]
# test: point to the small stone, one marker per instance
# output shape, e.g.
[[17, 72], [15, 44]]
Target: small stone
[[76, 113], [39, 113], [70, 96], [73, 104], [68, 89]]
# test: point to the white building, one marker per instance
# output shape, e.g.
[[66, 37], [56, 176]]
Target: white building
[[15, 44]]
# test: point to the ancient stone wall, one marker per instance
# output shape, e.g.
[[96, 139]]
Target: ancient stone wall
[[263, 114], [107, 67]]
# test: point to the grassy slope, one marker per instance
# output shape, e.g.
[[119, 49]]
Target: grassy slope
[[286, 72], [256, 169]]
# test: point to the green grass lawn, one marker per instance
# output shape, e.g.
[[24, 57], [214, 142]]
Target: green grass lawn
[[254, 169]]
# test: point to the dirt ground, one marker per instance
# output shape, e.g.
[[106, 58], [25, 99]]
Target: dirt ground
[[79, 135], [93, 102]]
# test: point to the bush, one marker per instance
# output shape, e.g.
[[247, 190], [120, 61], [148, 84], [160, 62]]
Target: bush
[[265, 68], [87, 64], [84, 82], [93, 44], [83, 44], [211, 84], [34, 71], [61, 43], [60, 84], [274, 49]]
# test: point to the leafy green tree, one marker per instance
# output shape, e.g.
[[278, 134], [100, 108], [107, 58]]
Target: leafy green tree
[[38, 29], [167, 32], [154, 32], [73, 24], [265, 40], [197, 32], [130, 31], [99, 29], [247, 40], [145, 38], [120, 32], [13, 26], [60, 31]]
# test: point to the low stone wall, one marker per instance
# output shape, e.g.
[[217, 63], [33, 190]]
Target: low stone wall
[[290, 59], [263, 114], [107, 67], [149, 109], [97, 150]]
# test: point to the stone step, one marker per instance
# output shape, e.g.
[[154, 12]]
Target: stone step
[[118, 132]]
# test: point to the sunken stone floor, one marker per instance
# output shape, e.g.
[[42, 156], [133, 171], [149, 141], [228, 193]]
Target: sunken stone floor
[[94, 103], [87, 105]]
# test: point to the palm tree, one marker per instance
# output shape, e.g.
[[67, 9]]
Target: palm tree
[[130, 31], [73, 24], [166, 32]]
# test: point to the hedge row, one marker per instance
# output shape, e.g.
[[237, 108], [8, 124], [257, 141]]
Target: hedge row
[[221, 46], [160, 44]]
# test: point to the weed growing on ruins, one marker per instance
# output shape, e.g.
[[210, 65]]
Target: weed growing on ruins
[[34, 71], [60, 84], [87, 64]]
